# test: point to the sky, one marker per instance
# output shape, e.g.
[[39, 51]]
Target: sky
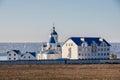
[[32, 20]]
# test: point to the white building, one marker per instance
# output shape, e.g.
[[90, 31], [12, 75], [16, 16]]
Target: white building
[[29, 56], [51, 50], [13, 55], [86, 48], [50, 54]]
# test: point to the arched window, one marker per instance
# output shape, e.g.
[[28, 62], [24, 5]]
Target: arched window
[[94, 47], [69, 52], [105, 45], [84, 44], [102, 44]]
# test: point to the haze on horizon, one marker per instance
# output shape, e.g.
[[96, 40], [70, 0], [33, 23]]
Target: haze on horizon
[[31, 20]]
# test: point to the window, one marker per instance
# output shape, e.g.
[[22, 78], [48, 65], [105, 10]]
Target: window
[[71, 44], [79, 54], [101, 49], [101, 54], [108, 49], [88, 54], [14, 58], [98, 54], [104, 49], [91, 54], [9, 58], [104, 54], [98, 49], [56, 39], [50, 46], [101, 44], [14, 54], [9, 54], [88, 49], [84, 44], [82, 55], [83, 49], [104, 45], [69, 52], [80, 49], [29, 57], [107, 53], [95, 54], [24, 56]]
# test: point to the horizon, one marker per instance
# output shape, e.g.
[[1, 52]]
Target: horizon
[[42, 42], [31, 21]]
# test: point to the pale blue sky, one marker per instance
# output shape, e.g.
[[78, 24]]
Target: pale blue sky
[[31, 20]]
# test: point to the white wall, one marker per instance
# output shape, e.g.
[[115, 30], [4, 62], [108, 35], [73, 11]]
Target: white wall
[[48, 56], [53, 56], [13, 56], [74, 50]]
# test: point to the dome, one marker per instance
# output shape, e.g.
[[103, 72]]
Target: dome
[[52, 40], [53, 32]]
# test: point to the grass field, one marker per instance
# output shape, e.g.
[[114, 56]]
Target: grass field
[[61, 72]]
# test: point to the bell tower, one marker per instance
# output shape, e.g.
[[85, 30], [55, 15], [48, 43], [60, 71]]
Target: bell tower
[[54, 34]]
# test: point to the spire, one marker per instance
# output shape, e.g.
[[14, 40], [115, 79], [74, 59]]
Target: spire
[[53, 26]]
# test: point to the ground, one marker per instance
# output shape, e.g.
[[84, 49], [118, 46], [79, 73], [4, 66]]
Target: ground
[[60, 72]]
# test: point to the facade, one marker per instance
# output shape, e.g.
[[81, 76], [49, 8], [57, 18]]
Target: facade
[[13, 55], [29, 56], [50, 54], [51, 50], [86, 48]]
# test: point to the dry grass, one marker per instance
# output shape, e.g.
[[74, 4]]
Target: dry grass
[[61, 72]]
